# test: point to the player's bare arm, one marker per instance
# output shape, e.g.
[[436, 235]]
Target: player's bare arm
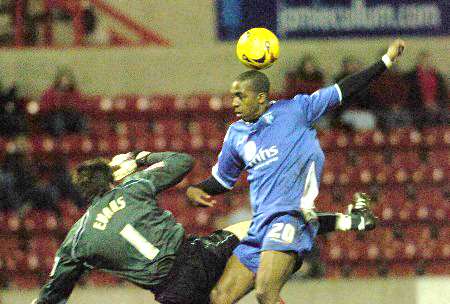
[[201, 193]]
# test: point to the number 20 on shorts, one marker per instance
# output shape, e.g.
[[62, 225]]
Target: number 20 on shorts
[[283, 232]]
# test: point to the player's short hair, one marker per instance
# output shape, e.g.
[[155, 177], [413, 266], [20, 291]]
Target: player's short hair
[[259, 82], [93, 177]]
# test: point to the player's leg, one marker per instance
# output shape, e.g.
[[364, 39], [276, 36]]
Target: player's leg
[[236, 281], [274, 271]]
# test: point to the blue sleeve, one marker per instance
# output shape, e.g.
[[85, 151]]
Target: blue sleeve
[[314, 106], [229, 165]]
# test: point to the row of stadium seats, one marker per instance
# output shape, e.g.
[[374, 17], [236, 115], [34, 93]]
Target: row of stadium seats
[[132, 105], [403, 269], [392, 204], [411, 243], [109, 143]]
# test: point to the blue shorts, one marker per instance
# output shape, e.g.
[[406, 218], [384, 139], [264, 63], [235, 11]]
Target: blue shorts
[[281, 232]]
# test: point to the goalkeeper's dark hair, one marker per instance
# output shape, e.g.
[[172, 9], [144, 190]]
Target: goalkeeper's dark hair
[[93, 177], [259, 82]]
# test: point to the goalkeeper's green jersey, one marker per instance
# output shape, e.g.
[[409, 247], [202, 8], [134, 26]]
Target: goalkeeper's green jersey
[[123, 232]]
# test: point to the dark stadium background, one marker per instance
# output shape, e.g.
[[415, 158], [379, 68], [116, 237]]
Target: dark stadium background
[[154, 75]]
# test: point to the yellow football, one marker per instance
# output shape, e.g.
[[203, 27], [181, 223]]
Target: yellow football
[[258, 48]]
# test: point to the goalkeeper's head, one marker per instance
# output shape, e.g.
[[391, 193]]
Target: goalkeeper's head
[[93, 178]]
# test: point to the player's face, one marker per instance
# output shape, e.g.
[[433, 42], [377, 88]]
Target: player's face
[[246, 103]]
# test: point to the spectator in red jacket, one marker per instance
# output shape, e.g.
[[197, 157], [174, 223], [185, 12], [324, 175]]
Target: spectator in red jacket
[[60, 105], [428, 97]]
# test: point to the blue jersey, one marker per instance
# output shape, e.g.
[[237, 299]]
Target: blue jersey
[[280, 152]]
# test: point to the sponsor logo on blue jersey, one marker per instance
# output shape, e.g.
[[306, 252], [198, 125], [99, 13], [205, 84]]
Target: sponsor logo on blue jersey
[[258, 158]]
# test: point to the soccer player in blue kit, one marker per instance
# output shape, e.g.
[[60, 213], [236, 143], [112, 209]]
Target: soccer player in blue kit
[[274, 141]]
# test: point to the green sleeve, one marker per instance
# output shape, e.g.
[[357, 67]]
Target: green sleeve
[[65, 274], [164, 169], [66, 270]]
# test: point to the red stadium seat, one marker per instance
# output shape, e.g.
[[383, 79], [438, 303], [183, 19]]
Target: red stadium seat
[[96, 106], [113, 145], [40, 221], [404, 138], [437, 268], [387, 207], [402, 270], [28, 263], [437, 137], [368, 140], [157, 103], [335, 160], [333, 139], [430, 194], [407, 211], [10, 245], [43, 246], [332, 271], [168, 127], [199, 102], [363, 271], [324, 202], [70, 214], [9, 222], [149, 143], [443, 249], [100, 128], [124, 107], [428, 249], [42, 144], [25, 281], [408, 160], [75, 144], [439, 158]]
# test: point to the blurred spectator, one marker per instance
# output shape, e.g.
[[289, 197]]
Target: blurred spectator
[[306, 79], [6, 23], [60, 103], [24, 186], [61, 179], [95, 34], [428, 99], [12, 113], [354, 113], [9, 198]]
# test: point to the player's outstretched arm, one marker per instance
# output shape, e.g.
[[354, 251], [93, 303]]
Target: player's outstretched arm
[[358, 81], [200, 194]]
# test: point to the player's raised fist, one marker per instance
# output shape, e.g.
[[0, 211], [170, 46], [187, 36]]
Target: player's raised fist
[[395, 49]]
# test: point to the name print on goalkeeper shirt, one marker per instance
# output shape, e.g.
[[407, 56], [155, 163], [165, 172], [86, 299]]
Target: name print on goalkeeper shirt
[[103, 217]]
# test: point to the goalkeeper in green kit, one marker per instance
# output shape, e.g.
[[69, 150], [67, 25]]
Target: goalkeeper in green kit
[[126, 234]]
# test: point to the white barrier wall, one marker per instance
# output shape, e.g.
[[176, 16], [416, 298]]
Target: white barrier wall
[[406, 291], [186, 70]]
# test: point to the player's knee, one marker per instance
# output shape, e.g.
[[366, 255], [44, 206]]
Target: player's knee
[[267, 293], [217, 296]]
